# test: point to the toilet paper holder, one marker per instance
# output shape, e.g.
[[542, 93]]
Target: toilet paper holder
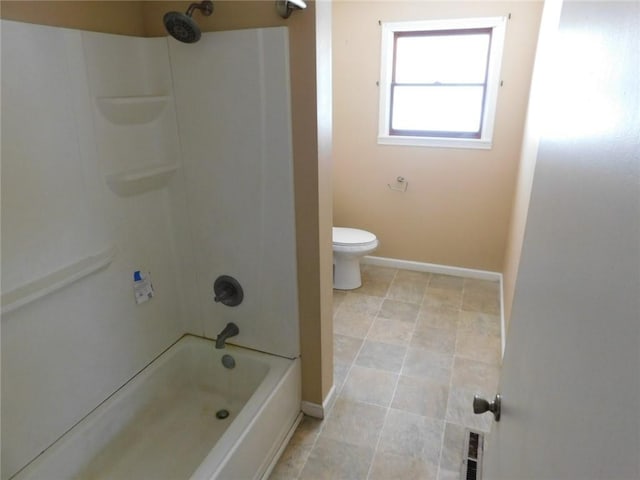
[[400, 185]]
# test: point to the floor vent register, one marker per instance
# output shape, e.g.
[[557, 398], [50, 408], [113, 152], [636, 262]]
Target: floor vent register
[[472, 456]]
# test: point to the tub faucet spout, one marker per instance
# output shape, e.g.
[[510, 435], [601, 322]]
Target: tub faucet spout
[[231, 330]]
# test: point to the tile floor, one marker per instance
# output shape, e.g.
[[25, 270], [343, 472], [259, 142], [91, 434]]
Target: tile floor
[[410, 351]]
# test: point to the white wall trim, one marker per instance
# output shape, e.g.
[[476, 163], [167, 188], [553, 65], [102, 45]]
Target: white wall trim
[[503, 332], [446, 270], [432, 268], [320, 411]]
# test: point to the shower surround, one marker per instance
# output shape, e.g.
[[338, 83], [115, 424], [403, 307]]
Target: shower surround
[[122, 154]]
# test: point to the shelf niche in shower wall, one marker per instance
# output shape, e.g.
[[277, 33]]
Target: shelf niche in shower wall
[[134, 115], [132, 110], [142, 179]]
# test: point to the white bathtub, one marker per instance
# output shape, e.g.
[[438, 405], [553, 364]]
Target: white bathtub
[[162, 424]]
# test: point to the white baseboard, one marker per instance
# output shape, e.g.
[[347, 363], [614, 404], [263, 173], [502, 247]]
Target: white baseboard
[[503, 331], [320, 411], [445, 270], [432, 268]]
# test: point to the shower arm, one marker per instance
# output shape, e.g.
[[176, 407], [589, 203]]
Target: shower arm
[[205, 7]]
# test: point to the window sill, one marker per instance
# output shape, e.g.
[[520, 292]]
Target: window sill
[[434, 142]]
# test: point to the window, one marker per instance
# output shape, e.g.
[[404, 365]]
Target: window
[[439, 82]]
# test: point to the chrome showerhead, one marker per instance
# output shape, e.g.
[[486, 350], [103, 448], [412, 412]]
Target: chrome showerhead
[[184, 28]]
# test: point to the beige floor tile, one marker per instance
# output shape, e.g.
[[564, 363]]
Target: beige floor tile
[[291, 462], [428, 364], [381, 356], [354, 422], [439, 299], [307, 431], [408, 286], [481, 296], [399, 311], [352, 323], [445, 318], [481, 302], [391, 331], [442, 334], [340, 372], [421, 396], [472, 374], [376, 280], [412, 435], [345, 348], [477, 285], [478, 347], [448, 474], [448, 282], [364, 304], [369, 385], [333, 459], [388, 466], [421, 278], [434, 339], [452, 446], [338, 297], [479, 323]]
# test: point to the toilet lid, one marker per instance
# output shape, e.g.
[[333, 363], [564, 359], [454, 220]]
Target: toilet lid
[[352, 236]]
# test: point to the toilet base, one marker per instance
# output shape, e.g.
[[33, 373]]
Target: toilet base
[[346, 272]]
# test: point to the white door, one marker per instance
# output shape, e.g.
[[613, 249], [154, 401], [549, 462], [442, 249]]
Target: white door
[[571, 377]]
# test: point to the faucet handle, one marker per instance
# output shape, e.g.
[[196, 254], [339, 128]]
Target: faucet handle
[[227, 291]]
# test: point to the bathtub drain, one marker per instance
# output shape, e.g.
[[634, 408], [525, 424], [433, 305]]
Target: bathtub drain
[[228, 361], [222, 414]]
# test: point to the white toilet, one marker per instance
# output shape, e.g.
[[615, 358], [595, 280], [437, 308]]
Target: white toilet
[[349, 245]]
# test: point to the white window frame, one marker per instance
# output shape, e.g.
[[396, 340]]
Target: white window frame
[[498, 26]]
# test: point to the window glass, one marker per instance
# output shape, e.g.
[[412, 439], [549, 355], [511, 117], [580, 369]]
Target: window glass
[[452, 58], [437, 109], [439, 82]]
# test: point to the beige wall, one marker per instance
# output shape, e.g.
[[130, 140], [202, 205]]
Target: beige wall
[[124, 18], [457, 206], [312, 180], [524, 183]]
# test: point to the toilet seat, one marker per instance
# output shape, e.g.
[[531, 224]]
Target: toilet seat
[[353, 237]]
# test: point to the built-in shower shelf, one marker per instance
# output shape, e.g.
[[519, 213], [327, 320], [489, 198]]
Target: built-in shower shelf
[[40, 287], [140, 180], [132, 110]]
